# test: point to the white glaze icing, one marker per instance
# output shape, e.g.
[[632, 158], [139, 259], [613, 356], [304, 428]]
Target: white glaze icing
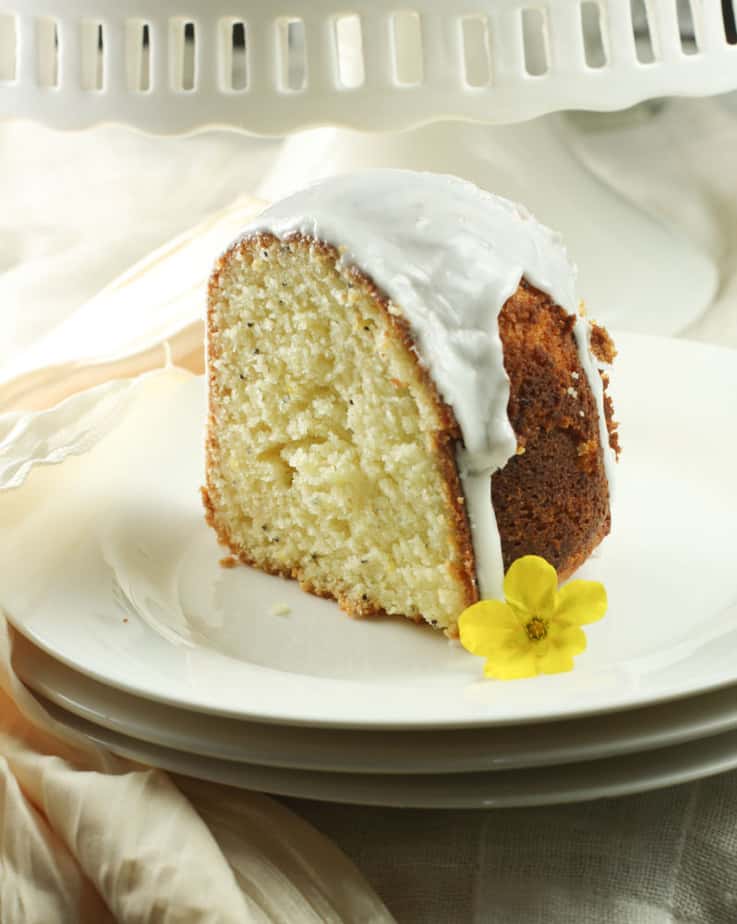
[[582, 332], [448, 255]]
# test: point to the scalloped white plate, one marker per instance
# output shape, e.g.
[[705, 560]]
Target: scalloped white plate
[[616, 776], [345, 750], [111, 569]]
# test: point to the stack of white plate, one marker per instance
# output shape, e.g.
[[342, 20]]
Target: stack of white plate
[[133, 632]]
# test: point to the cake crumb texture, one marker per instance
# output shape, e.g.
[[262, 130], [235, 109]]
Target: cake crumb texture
[[330, 457]]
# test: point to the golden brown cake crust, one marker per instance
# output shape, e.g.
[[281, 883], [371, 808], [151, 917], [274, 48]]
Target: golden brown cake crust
[[552, 498]]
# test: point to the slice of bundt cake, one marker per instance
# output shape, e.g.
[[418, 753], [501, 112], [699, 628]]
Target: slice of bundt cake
[[402, 398]]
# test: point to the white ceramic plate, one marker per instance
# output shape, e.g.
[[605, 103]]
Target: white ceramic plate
[[616, 776], [368, 751], [112, 569]]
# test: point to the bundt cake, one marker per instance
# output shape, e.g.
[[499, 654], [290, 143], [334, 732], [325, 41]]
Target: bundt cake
[[402, 396]]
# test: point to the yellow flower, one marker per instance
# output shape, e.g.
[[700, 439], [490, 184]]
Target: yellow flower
[[538, 629]]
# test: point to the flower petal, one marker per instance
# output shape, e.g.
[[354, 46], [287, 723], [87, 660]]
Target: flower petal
[[485, 626], [565, 643], [531, 584], [581, 602], [568, 638], [556, 661], [523, 664]]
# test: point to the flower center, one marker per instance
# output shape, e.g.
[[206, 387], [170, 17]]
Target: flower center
[[536, 629]]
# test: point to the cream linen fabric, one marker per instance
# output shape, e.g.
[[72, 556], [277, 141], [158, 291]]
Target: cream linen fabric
[[88, 838], [660, 858]]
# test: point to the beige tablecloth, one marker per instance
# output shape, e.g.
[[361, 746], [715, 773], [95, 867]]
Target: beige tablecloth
[[88, 837]]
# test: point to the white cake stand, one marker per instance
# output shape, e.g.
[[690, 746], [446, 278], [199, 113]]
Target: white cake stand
[[278, 66]]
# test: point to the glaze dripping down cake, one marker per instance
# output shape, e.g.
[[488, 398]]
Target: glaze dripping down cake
[[403, 397]]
